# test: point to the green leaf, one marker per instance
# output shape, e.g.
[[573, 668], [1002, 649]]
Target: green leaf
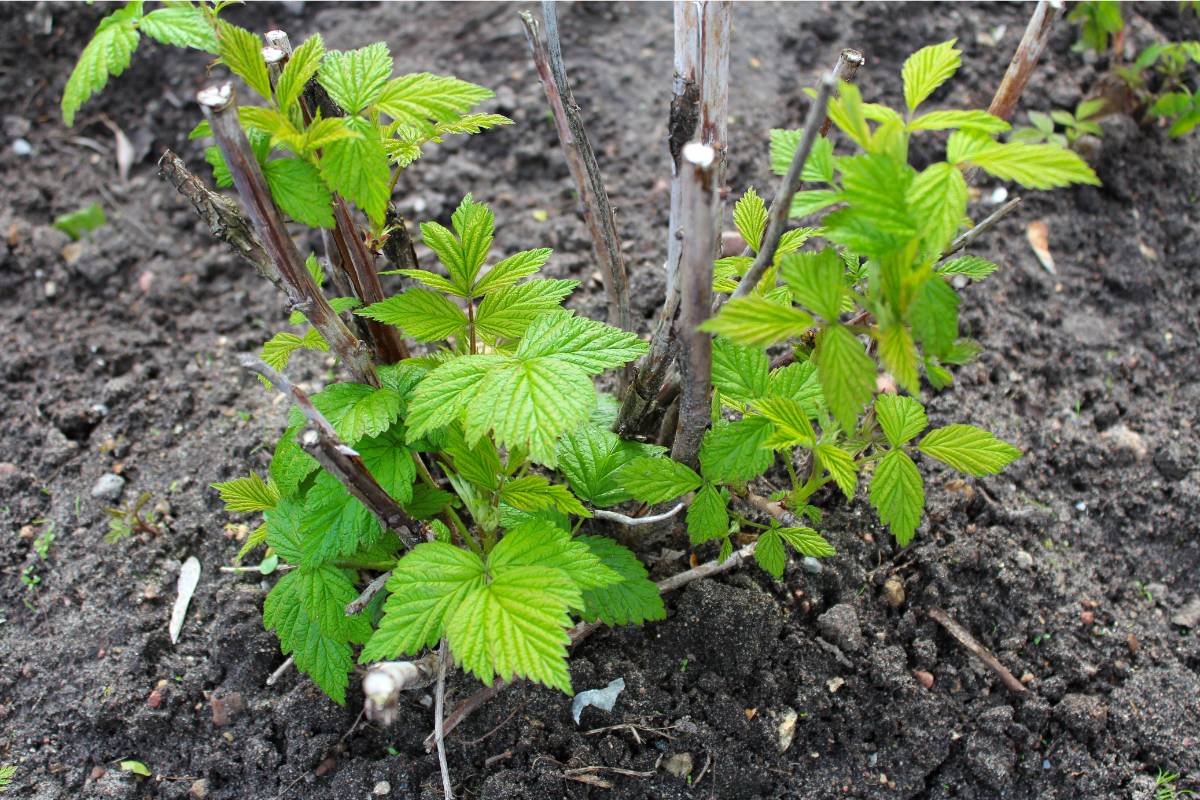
[[472, 123], [750, 217], [590, 345], [335, 524], [810, 202], [707, 516], [324, 658], [429, 279], [898, 494], [357, 168], [247, 495], [301, 66], [819, 165], [390, 462], [968, 120], [591, 457], [285, 530], [927, 69], [973, 267], [355, 79], [755, 320], [507, 312], [277, 351], [534, 493], [182, 26], [108, 53], [512, 269], [424, 315], [1036, 166], [807, 542], [422, 96], [840, 465], [877, 186], [817, 280], [898, 354], [969, 449], [475, 225], [541, 544], [934, 316], [356, 410], [428, 501], [792, 426], [733, 452], [799, 382], [657, 480], [739, 373], [901, 418], [515, 626], [846, 372], [442, 395], [633, 600], [426, 588], [136, 767], [298, 189], [770, 555], [938, 199], [77, 223], [846, 111], [241, 51], [325, 592], [290, 465]]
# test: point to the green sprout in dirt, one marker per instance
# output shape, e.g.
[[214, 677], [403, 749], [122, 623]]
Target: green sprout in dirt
[[7, 773], [1099, 21], [134, 518], [1072, 125], [1165, 788], [1159, 80]]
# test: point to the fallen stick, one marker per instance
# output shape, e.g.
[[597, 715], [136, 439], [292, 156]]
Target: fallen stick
[[360, 602], [280, 670], [964, 637], [439, 732], [613, 516]]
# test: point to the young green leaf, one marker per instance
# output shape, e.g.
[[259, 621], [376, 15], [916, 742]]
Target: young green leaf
[[591, 458], [247, 495], [898, 494], [512, 269], [750, 217], [442, 395], [818, 167], [817, 280], [590, 345], [355, 79], [534, 493], [812, 201], [182, 26], [792, 426], [1036, 166], [508, 312], [969, 449], [898, 353], [77, 223], [657, 480], [298, 189], [475, 225], [846, 372], [390, 462], [424, 315], [973, 267], [938, 199], [290, 464], [422, 96], [770, 555], [732, 452], [840, 466], [755, 320], [934, 316], [807, 542], [739, 373], [900, 417], [335, 524], [241, 51], [540, 544], [301, 66], [799, 382], [968, 120], [707, 516], [927, 69], [356, 167], [632, 601], [356, 410], [108, 53]]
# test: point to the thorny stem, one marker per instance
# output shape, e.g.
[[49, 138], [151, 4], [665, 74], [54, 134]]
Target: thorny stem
[[220, 108], [581, 159], [780, 209]]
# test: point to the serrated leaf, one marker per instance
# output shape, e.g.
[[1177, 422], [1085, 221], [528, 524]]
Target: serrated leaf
[[324, 593], [301, 66], [326, 659], [182, 26], [631, 601], [900, 417], [515, 626], [77, 223], [277, 351], [898, 354], [475, 225], [1036, 166], [290, 465], [770, 555], [840, 465], [298, 189], [390, 462], [707, 516], [755, 320], [285, 529], [812, 201], [750, 216], [590, 345], [591, 457], [247, 495], [241, 51], [355, 79], [508, 312], [846, 373], [792, 426], [934, 316], [968, 120], [472, 123], [732, 452], [356, 410], [938, 200], [441, 395], [657, 480], [817, 280], [426, 588], [423, 96], [877, 186], [357, 168], [534, 493], [927, 69], [108, 53], [335, 523], [819, 165], [540, 544], [969, 449], [512, 269], [739, 373], [846, 111], [807, 542], [973, 267], [898, 494], [424, 315], [799, 382]]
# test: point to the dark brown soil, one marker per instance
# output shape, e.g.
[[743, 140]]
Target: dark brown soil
[[119, 355]]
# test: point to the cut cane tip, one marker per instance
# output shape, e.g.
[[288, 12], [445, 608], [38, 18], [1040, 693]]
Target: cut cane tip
[[215, 96], [699, 154]]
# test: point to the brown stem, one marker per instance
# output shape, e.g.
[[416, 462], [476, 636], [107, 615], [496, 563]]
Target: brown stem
[[341, 461], [220, 108], [780, 209], [581, 159], [964, 637], [966, 238], [695, 278], [1037, 34], [846, 68], [398, 248], [223, 217], [373, 588], [359, 264], [715, 33]]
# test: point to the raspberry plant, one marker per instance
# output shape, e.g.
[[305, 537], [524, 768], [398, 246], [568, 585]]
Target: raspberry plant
[[464, 473]]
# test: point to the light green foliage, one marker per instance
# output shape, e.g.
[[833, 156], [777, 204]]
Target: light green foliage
[[7, 773], [1098, 20], [248, 495], [1159, 81], [77, 223]]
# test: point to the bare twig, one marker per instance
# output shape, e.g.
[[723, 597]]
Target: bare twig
[[385, 681], [715, 33], [696, 271], [322, 442], [649, 519], [223, 217], [360, 602], [964, 637], [775, 510], [1037, 34], [846, 68], [967, 237], [220, 108], [282, 668], [581, 159], [707, 570], [777, 215], [398, 248], [439, 704]]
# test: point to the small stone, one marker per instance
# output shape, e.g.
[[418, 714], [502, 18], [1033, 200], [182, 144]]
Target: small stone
[[72, 252], [833, 684], [225, 707], [1127, 445], [680, 765], [785, 731], [51, 288], [1172, 462], [924, 678], [325, 766], [7, 468], [893, 591], [382, 789], [1023, 559], [811, 565], [1132, 643], [108, 487], [97, 773], [21, 147], [1088, 618], [155, 699], [1189, 615], [840, 624], [199, 789]]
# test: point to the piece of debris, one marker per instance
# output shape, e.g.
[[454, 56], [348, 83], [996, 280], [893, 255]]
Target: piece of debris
[[963, 637], [189, 577], [785, 729], [1127, 444], [603, 699], [833, 684], [1189, 615], [108, 487], [840, 624], [893, 591], [680, 765], [1038, 234], [924, 678], [224, 707]]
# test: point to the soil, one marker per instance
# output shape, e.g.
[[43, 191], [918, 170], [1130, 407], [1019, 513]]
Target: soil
[[118, 355]]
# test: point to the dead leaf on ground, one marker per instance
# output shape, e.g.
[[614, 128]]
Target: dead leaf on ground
[[1038, 234]]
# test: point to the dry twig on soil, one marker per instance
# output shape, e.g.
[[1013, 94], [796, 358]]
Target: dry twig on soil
[[964, 637]]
